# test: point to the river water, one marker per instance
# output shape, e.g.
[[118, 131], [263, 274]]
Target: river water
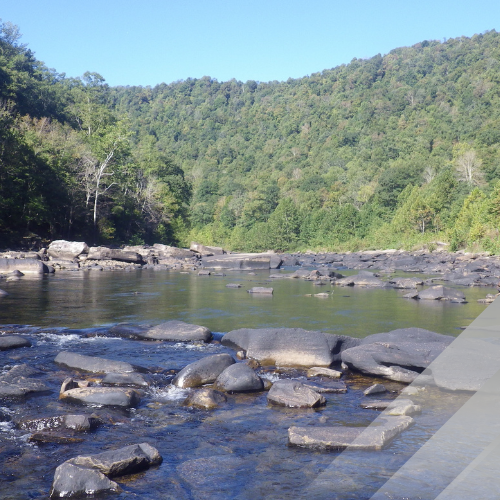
[[240, 449]]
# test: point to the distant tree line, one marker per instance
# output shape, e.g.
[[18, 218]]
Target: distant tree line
[[395, 151]]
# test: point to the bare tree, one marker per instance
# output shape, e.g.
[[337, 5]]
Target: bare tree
[[429, 174], [469, 168]]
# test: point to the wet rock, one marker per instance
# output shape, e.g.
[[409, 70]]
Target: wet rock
[[374, 437], [261, 290], [408, 335], [108, 396], [376, 404], [440, 292], [17, 382], [361, 280], [177, 331], [411, 295], [12, 342], [233, 285], [319, 371], [336, 387], [239, 377], [289, 346], [67, 250], [374, 389], [72, 481], [294, 394], [203, 371], [204, 272], [402, 407], [399, 361], [84, 475], [79, 423], [205, 250], [488, 299], [53, 438], [206, 398], [3, 293], [124, 379], [93, 364]]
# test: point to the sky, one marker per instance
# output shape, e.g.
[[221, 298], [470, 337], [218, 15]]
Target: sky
[[148, 42]]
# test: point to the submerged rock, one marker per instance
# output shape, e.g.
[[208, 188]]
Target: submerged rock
[[261, 290], [440, 292], [374, 437], [294, 394], [93, 364], [203, 371], [124, 379], [239, 377], [109, 396], [319, 371], [17, 382], [206, 398]]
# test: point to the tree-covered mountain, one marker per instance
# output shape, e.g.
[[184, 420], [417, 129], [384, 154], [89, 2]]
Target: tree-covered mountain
[[396, 150]]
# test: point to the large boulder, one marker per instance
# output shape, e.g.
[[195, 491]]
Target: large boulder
[[405, 283], [12, 342], [289, 346], [294, 394], [66, 250], [177, 331], [205, 250], [361, 279], [93, 364], [374, 437], [104, 253], [399, 355], [26, 266], [84, 475], [204, 371], [239, 377], [167, 251], [440, 292]]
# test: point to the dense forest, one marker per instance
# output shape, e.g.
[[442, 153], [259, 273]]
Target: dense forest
[[401, 150]]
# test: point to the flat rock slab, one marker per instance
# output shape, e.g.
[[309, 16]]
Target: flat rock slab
[[26, 266], [17, 382], [124, 380], [406, 283], [242, 262], [261, 290], [93, 364], [375, 437], [13, 342], [376, 404], [375, 389], [294, 394], [177, 331], [361, 280], [333, 387], [104, 253], [85, 475], [289, 346], [79, 423], [204, 371], [108, 396], [239, 377]]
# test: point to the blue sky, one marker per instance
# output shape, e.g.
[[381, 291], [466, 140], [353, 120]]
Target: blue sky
[[148, 42]]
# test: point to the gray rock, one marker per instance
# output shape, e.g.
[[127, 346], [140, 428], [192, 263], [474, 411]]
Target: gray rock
[[294, 394], [402, 407], [173, 252], [289, 346], [92, 364], [405, 283], [319, 371], [68, 250], [336, 387], [205, 250], [374, 389], [103, 253], [261, 290], [205, 398], [177, 331], [233, 285], [108, 396], [361, 280], [242, 262], [73, 481], [13, 342], [124, 379], [440, 292], [127, 460], [239, 377], [79, 423], [26, 266], [203, 371], [408, 335], [376, 404], [374, 437], [17, 382], [399, 361], [3, 293]]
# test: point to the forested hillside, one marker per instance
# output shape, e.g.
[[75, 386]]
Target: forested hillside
[[391, 151]]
